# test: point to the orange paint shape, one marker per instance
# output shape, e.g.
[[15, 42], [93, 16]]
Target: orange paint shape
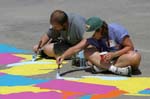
[[111, 94], [67, 94]]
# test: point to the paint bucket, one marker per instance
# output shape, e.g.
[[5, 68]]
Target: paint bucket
[[102, 54]]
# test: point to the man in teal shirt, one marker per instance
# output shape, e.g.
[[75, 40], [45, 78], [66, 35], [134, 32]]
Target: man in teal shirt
[[66, 31]]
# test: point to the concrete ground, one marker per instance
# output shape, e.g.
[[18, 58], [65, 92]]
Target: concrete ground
[[22, 23]]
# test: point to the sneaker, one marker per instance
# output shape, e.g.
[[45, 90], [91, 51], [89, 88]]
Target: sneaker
[[129, 71], [125, 71]]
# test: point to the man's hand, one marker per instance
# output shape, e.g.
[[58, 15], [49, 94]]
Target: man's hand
[[109, 56], [36, 49], [59, 60]]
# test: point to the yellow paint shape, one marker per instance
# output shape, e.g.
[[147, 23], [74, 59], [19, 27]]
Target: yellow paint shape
[[25, 56], [131, 85], [30, 69], [19, 89], [29, 58]]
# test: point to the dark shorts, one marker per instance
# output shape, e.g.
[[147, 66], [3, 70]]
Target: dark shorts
[[61, 47]]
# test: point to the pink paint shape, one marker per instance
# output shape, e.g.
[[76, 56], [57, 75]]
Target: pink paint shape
[[30, 95], [148, 89], [77, 87], [7, 58], [2, 74]]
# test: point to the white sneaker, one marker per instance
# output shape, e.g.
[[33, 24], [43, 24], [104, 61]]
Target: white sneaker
[[125, 71]]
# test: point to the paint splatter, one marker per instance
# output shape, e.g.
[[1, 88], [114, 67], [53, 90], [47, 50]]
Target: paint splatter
[[30, 68], [5, 90], [12, 80], [5, 48], [1, 74], [14, 85], [31, 95], [112, 94], [145, 91], [7, 58], [86, 97], [77, 87], [123, 84]]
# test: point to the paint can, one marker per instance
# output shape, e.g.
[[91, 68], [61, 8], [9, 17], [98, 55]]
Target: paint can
[[102, 54]]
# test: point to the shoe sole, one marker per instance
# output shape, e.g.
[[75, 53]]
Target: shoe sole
[[130, 71]]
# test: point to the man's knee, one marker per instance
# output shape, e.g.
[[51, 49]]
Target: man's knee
[[135, 58], [48, 50], [135, 55]]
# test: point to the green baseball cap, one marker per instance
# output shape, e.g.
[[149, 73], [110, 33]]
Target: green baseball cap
[[93, 23]]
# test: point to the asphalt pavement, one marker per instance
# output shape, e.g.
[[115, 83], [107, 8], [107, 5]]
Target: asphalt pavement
[[23, 22]]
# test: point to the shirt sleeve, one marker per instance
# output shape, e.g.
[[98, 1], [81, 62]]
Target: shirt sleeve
[[120, 32], [49, 32]]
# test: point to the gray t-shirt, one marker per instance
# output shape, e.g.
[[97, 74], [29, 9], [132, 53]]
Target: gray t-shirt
[[75, 31]]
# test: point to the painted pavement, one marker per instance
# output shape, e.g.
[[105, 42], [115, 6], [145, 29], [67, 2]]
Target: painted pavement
[[16, 80]]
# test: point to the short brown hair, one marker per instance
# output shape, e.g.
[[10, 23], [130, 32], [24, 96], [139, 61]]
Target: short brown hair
[[59, 17]]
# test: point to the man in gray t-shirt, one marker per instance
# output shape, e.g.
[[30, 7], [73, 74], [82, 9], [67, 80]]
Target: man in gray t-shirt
[[66, 31]]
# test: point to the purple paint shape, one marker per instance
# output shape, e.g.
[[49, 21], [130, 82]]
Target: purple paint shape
[[77, 87], [7, 58], [30, 95], [2, 74], [147, 89]]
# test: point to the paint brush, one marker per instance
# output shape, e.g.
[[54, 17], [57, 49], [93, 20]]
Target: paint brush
[[34, 56], [58, 72]]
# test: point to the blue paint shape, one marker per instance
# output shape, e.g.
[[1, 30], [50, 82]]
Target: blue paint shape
[[86, 97], [5, 48], [146, 91], [13, 80]]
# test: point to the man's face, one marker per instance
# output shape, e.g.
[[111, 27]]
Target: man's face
[[97, 35], [57, 27]]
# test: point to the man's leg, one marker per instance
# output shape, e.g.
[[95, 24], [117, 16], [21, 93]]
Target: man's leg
[[94, 57], [132, 58], [49, 50], [55, 49]]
